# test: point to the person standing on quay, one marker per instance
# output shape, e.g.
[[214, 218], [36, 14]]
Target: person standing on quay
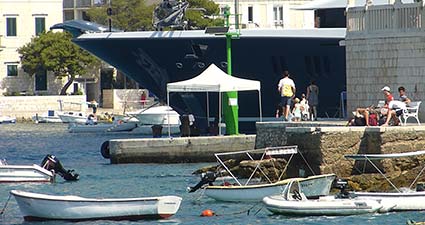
[[313, 99], [286, 88]]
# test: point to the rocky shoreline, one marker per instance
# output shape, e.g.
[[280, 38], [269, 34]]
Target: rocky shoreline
[[401, 172]]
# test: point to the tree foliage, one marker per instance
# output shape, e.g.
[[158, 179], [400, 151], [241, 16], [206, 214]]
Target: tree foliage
[[54, 51], [207, 17], [134, 15], [127, 15]]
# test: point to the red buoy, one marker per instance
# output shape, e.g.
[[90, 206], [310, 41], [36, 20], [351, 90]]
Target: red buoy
[[207, 213]]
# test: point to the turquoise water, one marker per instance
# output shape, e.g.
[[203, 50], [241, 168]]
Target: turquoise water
[[29, 143]]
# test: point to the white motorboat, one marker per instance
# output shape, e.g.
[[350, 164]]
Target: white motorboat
[[293, 202], [102, 127], [7, 119], [160, 115], [73, 117], [313, 186], [35, 173], [39, 207], [403, 198], [50, 117]]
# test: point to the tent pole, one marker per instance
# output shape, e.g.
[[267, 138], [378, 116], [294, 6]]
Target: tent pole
[[259, 101], [219, 113], [208, 110], [168, 114]]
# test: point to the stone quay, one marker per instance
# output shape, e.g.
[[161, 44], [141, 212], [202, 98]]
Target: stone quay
[[323, 144]]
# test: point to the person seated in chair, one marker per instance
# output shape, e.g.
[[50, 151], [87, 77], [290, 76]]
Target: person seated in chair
[[392, 110], [403, 96]]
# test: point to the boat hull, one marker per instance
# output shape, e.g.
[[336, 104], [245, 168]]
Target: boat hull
[[328, 206], [73, 118], [22, 173], [405, 201], [312, 187], [100, 128], [158, 115], [73, 208]]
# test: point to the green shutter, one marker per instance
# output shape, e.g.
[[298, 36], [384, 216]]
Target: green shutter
[[40, 25], [11, 26]]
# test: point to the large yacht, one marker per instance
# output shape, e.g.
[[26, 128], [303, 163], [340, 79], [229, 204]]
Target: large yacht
[[155, 58]]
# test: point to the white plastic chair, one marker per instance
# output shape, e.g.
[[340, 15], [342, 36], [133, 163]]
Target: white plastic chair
[[411, 111]]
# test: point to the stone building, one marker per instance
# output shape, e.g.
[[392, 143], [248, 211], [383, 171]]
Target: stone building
[[385, 47], [270, 14], [19, 22]]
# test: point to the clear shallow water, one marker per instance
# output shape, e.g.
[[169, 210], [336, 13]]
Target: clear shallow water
[[29, 143]]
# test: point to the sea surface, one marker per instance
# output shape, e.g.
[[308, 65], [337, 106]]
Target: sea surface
[[29, 143]]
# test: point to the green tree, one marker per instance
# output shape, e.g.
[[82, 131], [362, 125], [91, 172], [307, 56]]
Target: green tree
[[133, 15], [54, 51], [127, 15], [202, 14]]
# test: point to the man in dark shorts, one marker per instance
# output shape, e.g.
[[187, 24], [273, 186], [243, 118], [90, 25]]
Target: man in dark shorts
[[286, 88]]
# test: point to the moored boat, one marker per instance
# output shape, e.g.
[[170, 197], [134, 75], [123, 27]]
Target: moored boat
[[35, 173], [102, 127], [250, 191], [7, 119], [306, 53], [404, 199], [73, 117], [24, 173], [314, 186], [39, 207], [293, 202], [157, 115]]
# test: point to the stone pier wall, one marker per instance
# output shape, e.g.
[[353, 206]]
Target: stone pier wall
[[176, 150], [324, 147]]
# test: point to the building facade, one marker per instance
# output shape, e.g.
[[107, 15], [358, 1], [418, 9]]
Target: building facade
[[76, 9], [21, 20], [277, 14]]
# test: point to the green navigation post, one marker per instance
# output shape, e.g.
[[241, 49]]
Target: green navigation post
[[230, 99]]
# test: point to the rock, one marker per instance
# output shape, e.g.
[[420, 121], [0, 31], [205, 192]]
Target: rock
[[272, 168]]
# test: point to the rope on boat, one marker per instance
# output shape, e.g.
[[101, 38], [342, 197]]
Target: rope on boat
[[5, 205]]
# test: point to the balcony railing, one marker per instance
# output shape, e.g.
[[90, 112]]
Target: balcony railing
[[392, 18]]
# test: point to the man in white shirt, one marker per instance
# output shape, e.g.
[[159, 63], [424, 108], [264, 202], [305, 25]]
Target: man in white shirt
[[286, 88], [395, 109]]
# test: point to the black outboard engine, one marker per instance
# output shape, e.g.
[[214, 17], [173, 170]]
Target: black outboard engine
[[206, 178], [50, 162], [342, 184]]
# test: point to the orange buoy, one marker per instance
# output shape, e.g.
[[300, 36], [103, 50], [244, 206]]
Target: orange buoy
[[207, 213]]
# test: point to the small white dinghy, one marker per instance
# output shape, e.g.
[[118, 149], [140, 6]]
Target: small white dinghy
[[314, 186], [404, 199], [35, 173], [40, 207], [293, 202]]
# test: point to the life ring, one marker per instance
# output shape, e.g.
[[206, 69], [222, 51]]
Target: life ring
[[104, 150]]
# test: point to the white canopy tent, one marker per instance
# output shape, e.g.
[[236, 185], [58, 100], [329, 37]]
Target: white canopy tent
[[213, 79]]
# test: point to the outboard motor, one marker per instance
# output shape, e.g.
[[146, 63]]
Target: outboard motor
[[342, 184], [50, 162], [206, 178]]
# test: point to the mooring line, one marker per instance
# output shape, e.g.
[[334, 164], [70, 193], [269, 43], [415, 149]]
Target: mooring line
[[5, 205]]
